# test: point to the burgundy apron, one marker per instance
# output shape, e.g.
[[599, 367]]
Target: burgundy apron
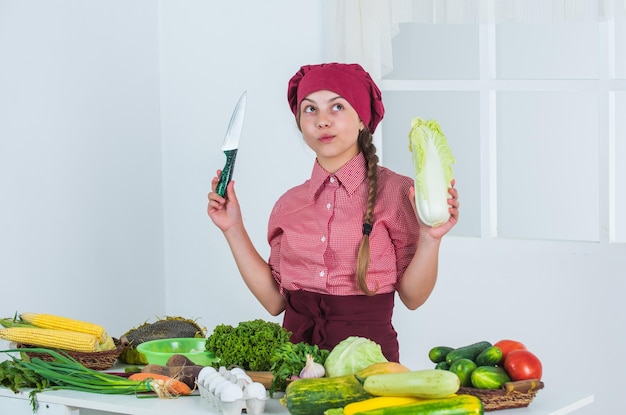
[[325, 320]]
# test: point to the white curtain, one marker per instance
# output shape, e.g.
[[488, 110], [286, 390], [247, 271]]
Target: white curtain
[[363, 29]]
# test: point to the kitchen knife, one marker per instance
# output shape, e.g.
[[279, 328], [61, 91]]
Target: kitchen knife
[[231, 144]]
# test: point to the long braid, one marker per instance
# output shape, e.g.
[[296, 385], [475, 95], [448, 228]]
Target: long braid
[[363, 260]]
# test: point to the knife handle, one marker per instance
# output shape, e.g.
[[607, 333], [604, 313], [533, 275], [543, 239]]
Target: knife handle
[[227, 172]]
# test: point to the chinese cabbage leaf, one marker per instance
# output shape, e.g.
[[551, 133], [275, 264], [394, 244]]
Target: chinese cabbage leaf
[[432, 160]]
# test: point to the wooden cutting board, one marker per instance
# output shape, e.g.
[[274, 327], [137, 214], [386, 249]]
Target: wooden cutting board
[[262, 377]]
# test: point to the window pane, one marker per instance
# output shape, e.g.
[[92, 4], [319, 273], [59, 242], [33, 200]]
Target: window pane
[[620, 168], [548, 161], [620, 48], [454, 54], [458, 115], [547, 51]]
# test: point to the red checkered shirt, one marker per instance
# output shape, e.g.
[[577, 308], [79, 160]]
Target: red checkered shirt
[[315, 230]]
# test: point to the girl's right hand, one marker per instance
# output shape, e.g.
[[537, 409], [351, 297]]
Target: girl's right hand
[[224, 212]]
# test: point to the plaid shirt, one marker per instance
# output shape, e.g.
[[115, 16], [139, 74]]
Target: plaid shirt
[[315, 230]]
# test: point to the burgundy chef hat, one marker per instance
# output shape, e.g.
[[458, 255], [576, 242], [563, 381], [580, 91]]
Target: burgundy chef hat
[[350, 81]]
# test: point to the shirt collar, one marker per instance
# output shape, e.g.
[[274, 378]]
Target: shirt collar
[[351, 175]]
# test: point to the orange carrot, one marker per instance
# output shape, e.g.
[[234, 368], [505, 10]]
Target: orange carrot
[[163, 385]]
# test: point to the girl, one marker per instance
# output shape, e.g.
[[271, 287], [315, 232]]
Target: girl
[[343, 242]]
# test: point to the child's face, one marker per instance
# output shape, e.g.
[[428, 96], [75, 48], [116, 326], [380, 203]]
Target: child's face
[[330, 127]]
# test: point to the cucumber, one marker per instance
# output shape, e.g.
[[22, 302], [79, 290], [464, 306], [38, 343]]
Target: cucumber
[[438, 354], [491, 356], [429, 383], [467, 352], [463, 368], [442, 365], [489, 377], [453, 405]]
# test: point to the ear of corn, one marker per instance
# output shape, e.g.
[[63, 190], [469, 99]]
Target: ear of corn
[[13, 322], [49, 321], [61, 339], [109, 344]]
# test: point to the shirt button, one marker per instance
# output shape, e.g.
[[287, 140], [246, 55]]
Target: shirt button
[[332, 180], [321, 273], [323, 239], [328, 206]]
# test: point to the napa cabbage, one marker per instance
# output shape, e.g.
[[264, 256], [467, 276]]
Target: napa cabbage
[[432, 160]]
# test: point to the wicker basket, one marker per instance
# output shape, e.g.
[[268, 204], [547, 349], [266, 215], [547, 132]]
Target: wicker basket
[[512, 394], [92, 360]]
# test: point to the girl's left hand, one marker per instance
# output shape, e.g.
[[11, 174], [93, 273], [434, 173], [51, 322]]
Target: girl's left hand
[[453, 208]]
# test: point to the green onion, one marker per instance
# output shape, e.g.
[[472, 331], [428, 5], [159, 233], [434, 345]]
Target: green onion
[[67, 373]]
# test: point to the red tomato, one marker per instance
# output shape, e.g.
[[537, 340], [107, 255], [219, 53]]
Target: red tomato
[[522, 365], [507, 346]]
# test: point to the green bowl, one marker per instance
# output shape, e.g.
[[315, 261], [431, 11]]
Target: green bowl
[[159, 351]]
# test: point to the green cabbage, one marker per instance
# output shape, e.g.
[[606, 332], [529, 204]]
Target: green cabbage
[[432, 159], [351, 355]]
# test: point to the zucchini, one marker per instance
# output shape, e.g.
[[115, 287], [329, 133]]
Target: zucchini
[[489, 377], [463, 368], [467, 352], [381, 367], [491, 356], [376, 403], [429, 383], [313, 396], [453, 405], [438, 354]]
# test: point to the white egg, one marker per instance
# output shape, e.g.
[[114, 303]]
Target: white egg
[[230, 393], [204, 372], [242, 380], [219, 387], [208, 378], [237, 370], [216, 381], [255, 390]]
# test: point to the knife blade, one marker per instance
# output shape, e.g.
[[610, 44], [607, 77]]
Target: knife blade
[[231, 143]]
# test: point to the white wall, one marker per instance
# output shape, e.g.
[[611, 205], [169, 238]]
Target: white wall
[[81, 214], [210, 53], [112, 116], [561, 300]]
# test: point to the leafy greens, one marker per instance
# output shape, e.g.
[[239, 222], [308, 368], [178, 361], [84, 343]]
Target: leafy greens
[[289, 359], [249, 345], [432, 160], [351, 355]]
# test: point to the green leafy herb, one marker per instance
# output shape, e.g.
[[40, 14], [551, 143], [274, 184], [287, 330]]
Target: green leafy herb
[[289, 359], [15, 377], [250, 345]]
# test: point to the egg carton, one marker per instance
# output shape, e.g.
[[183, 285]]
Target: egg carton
[[231, 391]]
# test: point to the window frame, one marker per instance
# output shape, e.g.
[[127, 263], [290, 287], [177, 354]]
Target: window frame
[[607, 85]]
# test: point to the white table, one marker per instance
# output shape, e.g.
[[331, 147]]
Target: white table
[[549, 401]]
